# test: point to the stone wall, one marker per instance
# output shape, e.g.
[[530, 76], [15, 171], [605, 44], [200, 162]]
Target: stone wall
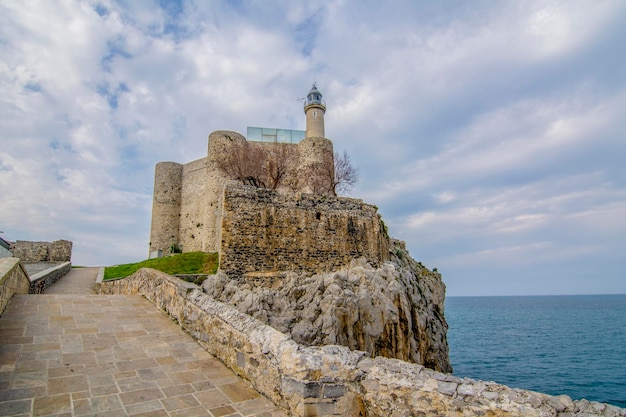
[[265, 231], [44, 279], [332, 380], [32, 252], [13, 280], [193, 235]]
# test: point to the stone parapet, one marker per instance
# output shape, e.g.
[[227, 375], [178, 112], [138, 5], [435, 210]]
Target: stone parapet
[[332, 380], [32, 252], [13, 280], [42, 280]]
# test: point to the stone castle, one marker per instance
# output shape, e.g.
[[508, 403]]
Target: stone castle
[[294, 224]]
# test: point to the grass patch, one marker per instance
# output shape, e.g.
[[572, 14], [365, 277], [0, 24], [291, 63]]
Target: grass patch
[[182, 263]]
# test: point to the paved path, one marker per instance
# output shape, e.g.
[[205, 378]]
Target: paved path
[[64, 354], [77, 281]]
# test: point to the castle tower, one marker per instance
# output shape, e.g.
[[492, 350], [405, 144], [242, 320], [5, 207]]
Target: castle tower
[[164, 232], [314, 108]]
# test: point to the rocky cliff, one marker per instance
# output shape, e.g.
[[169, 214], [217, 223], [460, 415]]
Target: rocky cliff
[[396, 310]]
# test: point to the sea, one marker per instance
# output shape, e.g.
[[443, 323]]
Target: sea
[[570, 344]]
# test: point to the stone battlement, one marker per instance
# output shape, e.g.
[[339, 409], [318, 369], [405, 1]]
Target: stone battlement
[[33, 252]]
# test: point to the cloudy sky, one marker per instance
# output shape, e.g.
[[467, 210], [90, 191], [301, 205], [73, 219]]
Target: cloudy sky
[[491, 134]]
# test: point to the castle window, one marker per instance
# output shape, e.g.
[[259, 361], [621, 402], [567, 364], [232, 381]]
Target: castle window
[[314, 114], [318, 215]]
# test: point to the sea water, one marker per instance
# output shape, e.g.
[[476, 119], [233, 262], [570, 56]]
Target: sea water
[[573, 345]]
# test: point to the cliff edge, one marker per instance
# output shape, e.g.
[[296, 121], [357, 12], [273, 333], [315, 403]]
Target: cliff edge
[[395, 310]]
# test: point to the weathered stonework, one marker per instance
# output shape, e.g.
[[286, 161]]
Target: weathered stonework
[[32, 252], [185, 210], [332, 380], [265, 231], [166, 206], [44, 279], [13, 280]]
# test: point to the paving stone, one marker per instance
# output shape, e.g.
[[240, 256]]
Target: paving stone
[[21, 393], [105, 403], [29, 365], [177, 390], [9, 408], [238, 392], [203, 385], [52, 404], [212, 399], [144, 407], [223, 411], [67, 384], [192, 412], [180, 402], [157, 413], [104, 390], [91, 355], [30, 379], [141, 395], [257, 406]]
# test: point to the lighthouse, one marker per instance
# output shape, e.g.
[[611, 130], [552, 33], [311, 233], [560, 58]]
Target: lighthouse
[[314, 109]]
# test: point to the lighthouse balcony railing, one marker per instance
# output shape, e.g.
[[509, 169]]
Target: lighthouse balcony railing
[[308, 102]]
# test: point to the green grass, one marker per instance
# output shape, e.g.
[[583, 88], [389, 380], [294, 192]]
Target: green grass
[[182, 263]]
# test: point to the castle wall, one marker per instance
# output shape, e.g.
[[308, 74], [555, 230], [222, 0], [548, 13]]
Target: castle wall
[[193, 235], [265, 231], [220, 144], [316, 160], [186, 206], [164, 230], [32, 252]]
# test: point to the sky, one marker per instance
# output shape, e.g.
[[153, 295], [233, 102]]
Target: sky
[[490, 134]]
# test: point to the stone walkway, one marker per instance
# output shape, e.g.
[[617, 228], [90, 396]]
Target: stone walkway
[[77, 281], [68, 354]]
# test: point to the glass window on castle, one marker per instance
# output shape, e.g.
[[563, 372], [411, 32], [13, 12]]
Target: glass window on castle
[[267, 134]]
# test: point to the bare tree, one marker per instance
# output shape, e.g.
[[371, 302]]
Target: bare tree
[[345, 175], [279, 164], [333, 175], [260, 165], [244, 162]]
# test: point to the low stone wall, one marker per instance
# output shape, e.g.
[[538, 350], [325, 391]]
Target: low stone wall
[[332, 380], [42, 280], [32, 252], [13, 280]]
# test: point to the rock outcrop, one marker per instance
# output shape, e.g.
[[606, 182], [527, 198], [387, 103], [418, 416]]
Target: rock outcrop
[[396, 310]]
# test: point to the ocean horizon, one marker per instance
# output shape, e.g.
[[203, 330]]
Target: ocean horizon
[[555, 344]]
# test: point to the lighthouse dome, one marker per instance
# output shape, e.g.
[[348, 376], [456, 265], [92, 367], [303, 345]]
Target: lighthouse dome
[[314, 98]]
